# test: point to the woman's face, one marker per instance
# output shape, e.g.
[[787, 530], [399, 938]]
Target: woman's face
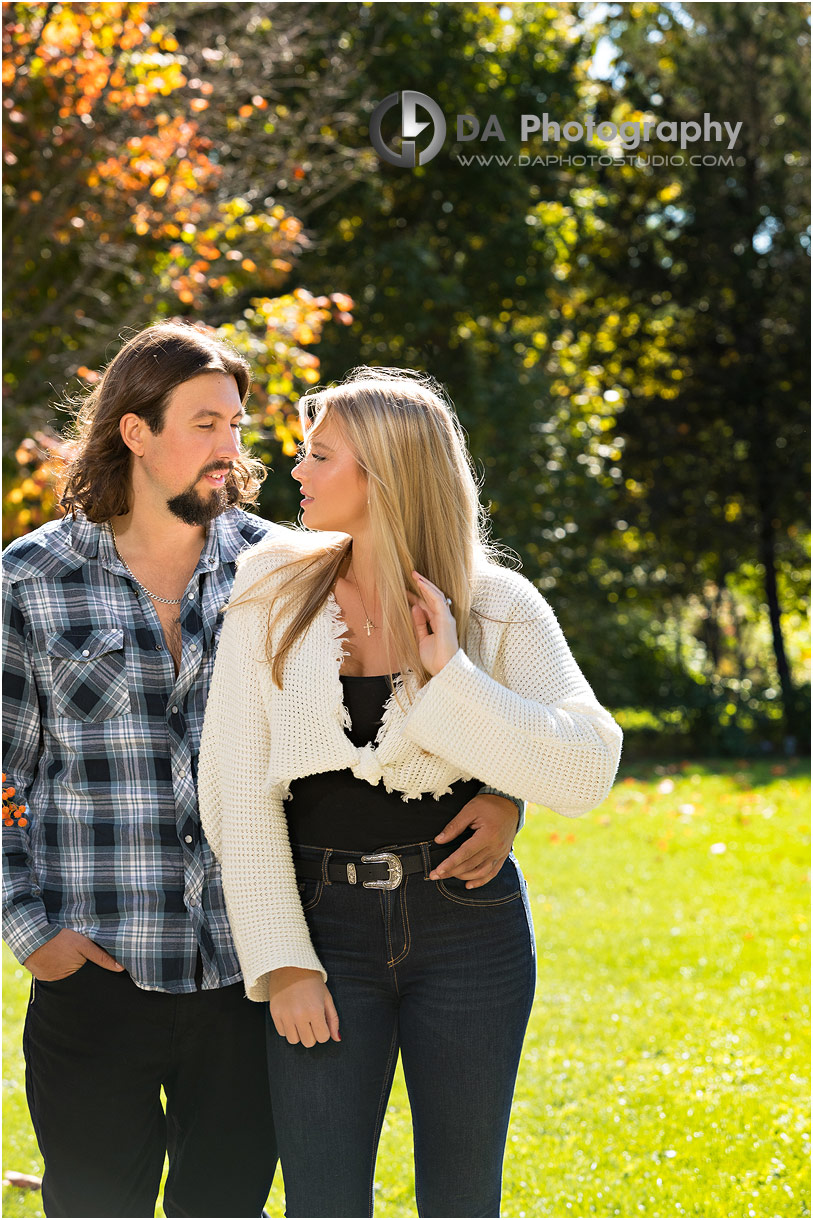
[[334, 487]]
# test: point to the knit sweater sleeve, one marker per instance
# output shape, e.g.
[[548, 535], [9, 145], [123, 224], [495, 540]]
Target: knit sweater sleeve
[[532, 725], [244, 821]]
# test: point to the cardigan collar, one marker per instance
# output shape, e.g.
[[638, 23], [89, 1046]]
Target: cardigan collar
[[312, 703]]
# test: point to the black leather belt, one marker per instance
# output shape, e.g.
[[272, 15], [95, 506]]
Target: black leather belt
[[382, 870]]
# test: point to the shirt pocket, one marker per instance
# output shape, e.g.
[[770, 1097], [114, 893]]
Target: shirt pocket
[[89, 674]]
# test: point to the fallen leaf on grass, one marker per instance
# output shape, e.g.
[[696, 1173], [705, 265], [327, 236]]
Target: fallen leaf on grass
[[23, 1181]]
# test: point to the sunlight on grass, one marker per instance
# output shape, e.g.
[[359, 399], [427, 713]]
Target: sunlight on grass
[[665, 1071]]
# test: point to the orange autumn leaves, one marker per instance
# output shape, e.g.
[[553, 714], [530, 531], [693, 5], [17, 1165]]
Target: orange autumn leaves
[[31, 500], [121, 213], [12, 812]]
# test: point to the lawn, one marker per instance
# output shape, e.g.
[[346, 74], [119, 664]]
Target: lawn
[[665, 1071]]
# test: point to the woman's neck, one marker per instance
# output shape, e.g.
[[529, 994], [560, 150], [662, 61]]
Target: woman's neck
[[362, 564]]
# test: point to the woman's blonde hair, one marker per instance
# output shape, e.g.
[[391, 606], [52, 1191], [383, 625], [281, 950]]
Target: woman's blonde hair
[[425, 513]]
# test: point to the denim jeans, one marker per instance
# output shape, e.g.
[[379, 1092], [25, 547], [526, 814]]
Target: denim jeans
[[444, 975]]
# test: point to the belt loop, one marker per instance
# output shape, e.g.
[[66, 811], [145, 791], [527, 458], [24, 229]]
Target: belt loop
[[325, 863], [427, 863]]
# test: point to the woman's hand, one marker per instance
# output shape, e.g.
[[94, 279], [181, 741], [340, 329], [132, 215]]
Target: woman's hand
[[302, 1008], [435, 627]]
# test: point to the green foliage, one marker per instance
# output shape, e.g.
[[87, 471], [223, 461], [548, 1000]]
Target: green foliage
[[665, 1070], [627, 345], [688, 290]]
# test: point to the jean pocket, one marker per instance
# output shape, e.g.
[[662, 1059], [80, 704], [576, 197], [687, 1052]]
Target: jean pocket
[[89, 674], [66, 979], [310, 892], [505, 887]]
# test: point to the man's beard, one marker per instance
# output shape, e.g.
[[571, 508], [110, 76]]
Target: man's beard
[[195, 509]]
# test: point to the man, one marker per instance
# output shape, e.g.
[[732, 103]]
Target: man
[[112, 897]]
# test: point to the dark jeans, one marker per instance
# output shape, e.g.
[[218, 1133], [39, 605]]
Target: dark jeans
[[446, 976], [98, 1049]]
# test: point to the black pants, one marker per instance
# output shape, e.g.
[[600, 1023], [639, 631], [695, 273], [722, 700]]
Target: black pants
[[98, 1049]]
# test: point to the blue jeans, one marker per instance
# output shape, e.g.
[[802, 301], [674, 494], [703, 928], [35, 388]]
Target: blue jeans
[[443, 974]]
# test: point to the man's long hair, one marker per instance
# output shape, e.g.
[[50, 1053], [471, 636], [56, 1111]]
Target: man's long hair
[[140, 379]]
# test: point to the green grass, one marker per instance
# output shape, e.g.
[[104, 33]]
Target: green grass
[[665, 1070]]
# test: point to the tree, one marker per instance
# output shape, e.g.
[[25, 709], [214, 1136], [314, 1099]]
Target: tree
[[693, 300], [119, 211]]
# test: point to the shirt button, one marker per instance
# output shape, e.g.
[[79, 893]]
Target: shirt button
[[191, 596], [194, 902], [159, 647], [187, 839], [85, 652], [193, 648], [175, 711]]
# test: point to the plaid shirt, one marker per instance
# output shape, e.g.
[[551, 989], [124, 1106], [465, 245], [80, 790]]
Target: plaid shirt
[[101, 744]]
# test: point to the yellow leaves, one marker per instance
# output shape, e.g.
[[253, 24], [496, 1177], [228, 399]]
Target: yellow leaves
[[160, 187], [61, 32], [198, 104], [670, 192], [31, 499]]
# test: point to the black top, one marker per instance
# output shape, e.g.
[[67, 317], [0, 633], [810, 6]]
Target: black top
[[335, 809]]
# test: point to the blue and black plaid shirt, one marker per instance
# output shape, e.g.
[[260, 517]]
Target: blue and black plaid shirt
[[101, 744]]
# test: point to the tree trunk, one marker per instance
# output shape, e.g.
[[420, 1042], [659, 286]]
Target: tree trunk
[[768, 558]]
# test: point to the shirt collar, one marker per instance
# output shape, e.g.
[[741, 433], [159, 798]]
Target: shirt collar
[[224, 542], [84, 536]]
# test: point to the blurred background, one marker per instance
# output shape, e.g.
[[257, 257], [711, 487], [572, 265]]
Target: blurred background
[[627, 343]]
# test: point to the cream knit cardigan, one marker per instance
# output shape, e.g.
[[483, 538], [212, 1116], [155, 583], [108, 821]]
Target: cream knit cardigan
[[518, 715]]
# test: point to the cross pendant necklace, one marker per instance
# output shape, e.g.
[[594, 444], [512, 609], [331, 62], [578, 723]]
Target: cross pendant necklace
[[369, 625]]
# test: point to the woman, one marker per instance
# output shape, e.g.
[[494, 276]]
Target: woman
[[371, 680]]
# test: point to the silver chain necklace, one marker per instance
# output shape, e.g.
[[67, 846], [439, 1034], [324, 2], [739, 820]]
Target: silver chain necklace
[[167, 601]]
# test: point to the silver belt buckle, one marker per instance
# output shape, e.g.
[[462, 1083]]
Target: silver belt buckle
[[395, 871]]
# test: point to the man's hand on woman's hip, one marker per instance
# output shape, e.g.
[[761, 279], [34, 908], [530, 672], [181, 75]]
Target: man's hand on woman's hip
[[494, 822]]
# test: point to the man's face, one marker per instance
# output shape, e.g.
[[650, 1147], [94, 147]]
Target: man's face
[[185, 465]]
